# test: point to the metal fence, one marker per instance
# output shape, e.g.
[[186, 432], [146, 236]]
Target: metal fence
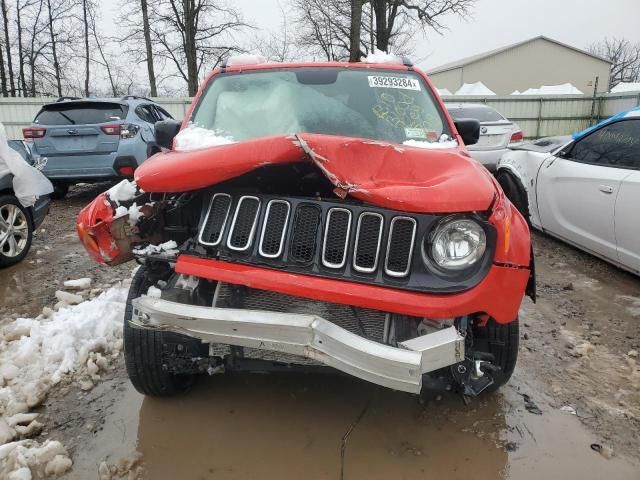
[[538, 116], [545, 116]]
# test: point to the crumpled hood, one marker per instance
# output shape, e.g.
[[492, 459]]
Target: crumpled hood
[[388, 175]]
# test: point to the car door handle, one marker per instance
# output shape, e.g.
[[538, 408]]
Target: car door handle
[[606, 189]]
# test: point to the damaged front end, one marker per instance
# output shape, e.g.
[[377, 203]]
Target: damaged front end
[[291, 251]]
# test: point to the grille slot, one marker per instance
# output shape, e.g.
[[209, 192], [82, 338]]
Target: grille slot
[[216, 219], [305, 231], [336, 238], [244, 223], [402, 233], [274, 228], [367, 244]]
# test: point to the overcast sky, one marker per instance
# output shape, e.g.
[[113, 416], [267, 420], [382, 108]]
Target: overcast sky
[[495, 23]]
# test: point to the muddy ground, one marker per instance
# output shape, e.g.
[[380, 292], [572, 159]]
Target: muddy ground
[[576, 356]]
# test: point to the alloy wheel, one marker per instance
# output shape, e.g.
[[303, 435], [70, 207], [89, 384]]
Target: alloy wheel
[[14, 230]]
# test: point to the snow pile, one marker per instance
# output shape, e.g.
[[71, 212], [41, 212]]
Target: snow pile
[[26, 459], [564, 89], [477, 88], [76, 342], [168, 248], [623, 87], [516, 92], [194, 138], [122, 192], [443, 143], [444, 91], [378, 56]]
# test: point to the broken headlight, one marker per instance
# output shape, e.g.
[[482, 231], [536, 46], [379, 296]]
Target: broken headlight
[[457, 243]]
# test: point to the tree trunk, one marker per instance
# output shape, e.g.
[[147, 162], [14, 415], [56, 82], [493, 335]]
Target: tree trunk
[[190, 30], [86, 47], [21, 78], [147, 41], [5, 19], [355, 29], [3, 75], [54, 53], [382, 32]]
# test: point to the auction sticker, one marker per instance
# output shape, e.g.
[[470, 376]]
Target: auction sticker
[[384, 81]]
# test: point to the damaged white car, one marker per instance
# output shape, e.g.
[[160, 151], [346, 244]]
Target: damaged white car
[[584, 190]]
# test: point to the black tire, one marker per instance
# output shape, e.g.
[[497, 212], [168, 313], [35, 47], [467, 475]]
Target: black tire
[[143, 351], [60, 190], [7, 258], [500, 340], [515, 192]]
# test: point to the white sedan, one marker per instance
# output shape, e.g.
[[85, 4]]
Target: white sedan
[[584, 190], [497, 133]]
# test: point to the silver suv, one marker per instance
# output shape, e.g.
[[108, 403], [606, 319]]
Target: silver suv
[[94, 139]]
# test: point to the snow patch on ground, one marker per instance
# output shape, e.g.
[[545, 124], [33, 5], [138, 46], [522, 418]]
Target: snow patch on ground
[[444, 91], [633, 304], [122, 192], [75, 343], [194, 138], [79, 284], [169, 248], [378, 56]]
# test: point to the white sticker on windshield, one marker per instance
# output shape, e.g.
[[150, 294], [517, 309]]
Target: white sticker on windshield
[[383, 81]]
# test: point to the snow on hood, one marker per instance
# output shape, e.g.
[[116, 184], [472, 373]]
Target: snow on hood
[[195, 138], [384, 174], [28, 183], [477, 88]]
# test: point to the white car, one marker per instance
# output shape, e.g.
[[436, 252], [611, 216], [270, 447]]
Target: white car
[[497, 133], [584, 190]]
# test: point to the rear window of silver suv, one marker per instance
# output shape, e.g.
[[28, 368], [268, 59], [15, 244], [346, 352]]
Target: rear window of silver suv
[[81, 113]]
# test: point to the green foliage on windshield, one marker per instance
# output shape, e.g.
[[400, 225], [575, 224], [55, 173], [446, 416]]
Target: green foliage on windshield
[[391, 106]]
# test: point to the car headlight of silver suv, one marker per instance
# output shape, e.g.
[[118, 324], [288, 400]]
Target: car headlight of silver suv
[[457, 244]]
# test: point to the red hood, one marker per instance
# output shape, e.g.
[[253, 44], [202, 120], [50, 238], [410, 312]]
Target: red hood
[[388, 175]]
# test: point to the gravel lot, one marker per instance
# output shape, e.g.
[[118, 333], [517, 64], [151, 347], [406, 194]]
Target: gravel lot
[[577, 355]]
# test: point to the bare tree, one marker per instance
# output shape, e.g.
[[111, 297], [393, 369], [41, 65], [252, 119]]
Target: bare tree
[[324, 27], [134, 22], [624, 57], [3, 75], [7, 45], [277, 45], [148, 48], [194, 34], [87, 59]]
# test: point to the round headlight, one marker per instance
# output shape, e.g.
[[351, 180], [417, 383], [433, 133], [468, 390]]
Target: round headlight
[[458, 244]]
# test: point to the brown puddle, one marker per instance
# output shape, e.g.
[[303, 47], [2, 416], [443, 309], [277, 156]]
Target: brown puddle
[[292, 426]]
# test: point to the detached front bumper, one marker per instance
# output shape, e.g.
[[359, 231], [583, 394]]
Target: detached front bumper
[[307, 336]]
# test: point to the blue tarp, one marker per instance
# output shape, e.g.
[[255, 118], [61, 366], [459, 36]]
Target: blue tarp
[[587, 131]]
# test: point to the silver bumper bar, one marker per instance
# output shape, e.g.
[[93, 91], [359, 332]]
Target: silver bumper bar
[[308, 336]]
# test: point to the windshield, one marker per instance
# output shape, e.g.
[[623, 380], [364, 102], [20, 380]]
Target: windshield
[[393, 106]]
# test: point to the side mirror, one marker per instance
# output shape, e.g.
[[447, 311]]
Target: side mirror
[[166, 130], [469, 130]]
